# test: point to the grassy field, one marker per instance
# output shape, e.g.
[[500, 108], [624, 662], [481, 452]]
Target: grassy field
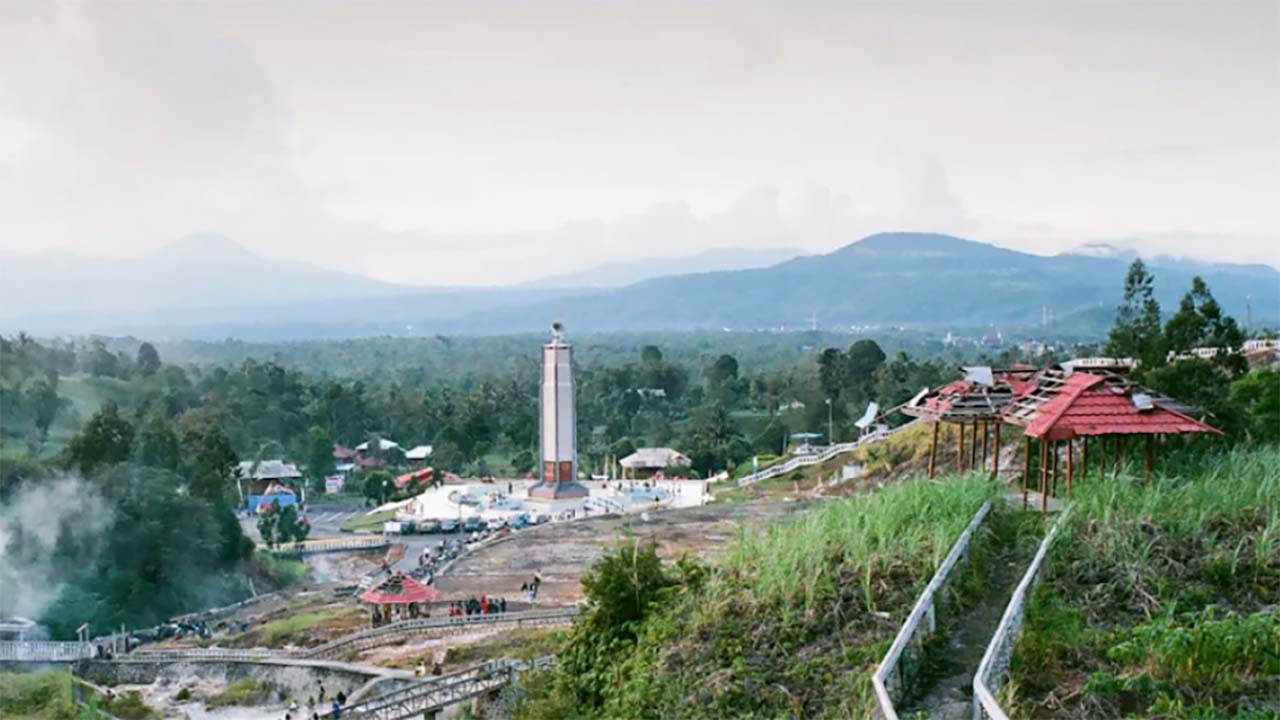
[[1161, 601], [791, 620], [241, 692], [37, 696], [371, 522]]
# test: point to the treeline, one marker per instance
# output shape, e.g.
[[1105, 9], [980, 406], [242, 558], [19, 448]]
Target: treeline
[[1243, 404], [711, 410]]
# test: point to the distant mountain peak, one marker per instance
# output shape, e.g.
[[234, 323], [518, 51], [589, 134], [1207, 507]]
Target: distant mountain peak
[[207, 244], [1103, 250], [913, 243]]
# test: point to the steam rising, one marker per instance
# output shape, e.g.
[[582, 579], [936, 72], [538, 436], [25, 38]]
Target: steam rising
[[59, 515]]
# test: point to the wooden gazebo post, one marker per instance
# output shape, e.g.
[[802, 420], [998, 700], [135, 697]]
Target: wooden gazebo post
[[960, 448], [1070, 442], [1102, 466], [1026, 468], [1053, 463], [933, 449], [1084, 457], [973, 447], [995, 457], [1044, 476], [986, 429]]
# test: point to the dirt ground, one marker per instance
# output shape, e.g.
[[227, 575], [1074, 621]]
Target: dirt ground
[[559, 553]]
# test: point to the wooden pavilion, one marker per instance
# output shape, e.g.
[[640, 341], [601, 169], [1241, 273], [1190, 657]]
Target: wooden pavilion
[[977, 402], [1063, 404], [397, 597]]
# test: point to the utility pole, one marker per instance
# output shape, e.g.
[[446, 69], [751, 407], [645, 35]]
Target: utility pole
[[831, 437]]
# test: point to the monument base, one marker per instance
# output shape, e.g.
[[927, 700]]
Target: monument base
[[548, 492]]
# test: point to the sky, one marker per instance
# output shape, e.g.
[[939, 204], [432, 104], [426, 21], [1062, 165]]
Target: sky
[[490, 142]]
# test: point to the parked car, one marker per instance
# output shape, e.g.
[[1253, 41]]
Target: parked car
[[429, 526], [449, 526], [541, 519], [519, 521], [497, 523], [473, 524]]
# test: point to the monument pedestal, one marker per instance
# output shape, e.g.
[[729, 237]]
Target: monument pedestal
[[548, 492]]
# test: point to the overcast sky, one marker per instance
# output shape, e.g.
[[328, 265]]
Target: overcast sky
[[477, 142]]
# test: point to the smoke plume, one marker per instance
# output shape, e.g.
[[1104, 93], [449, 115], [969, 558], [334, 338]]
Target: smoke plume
[[45, 520]]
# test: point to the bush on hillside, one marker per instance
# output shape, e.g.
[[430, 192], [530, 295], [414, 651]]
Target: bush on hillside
[[786, 623]]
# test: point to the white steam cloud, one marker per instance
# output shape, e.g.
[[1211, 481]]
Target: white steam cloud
[[45, 516]]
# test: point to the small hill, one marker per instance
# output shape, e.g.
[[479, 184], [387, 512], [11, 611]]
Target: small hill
[[198, 271], [912, 279]]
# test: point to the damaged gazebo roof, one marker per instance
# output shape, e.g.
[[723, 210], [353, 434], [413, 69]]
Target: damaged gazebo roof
[[1064, 404], [983, 394]]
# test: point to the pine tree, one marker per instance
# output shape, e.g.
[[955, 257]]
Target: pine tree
[[1137, 332]]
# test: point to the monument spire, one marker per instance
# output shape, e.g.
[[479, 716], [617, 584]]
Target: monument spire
[[557, 422]]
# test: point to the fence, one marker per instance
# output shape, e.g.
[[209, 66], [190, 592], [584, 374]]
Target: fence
[[902, 659], [425, 698], [45, 651], [378, 636], [826, 454], [201, 655], [995, 661], [323, 545]]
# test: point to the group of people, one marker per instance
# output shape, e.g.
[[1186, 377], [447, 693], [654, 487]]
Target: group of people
[[335, 707], [421, 669], [477, 606], [532, 587]]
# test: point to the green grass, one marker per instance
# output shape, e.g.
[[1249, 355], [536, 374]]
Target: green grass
[[1160, 601], [278, 571], [43, 695], [371, 522], [130, 706], [293, 629], [787, 624], [521, 644], [241, 692]]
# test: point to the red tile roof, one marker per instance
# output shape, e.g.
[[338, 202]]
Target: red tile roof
[[1086, 405], [418, 477], [398, 589]]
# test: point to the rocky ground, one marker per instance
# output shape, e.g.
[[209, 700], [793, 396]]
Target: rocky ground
[[560, 553]]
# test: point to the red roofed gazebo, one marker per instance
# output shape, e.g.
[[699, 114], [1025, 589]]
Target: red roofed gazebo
[[397, 595], [978, 401], [1064, 405]]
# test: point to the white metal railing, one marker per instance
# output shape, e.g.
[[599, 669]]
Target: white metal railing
[[891, 677], [426, 697], [995, 661], [45, 651], [202, 654], [826, 454], [322, 545]]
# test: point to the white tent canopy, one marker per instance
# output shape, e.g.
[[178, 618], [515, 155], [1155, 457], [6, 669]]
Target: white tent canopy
[[420, 452], [651, 458]]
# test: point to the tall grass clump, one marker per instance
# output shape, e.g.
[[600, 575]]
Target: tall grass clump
[[1161, 600], [37, 695], [786, 622], [907, 526]]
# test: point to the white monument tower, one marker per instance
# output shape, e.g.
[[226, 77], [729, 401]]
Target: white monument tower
[[558, 424]]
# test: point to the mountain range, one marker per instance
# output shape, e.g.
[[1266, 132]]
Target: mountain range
[[208, 287]]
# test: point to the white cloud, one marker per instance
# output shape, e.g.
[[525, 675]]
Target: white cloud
[[479, 143]]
